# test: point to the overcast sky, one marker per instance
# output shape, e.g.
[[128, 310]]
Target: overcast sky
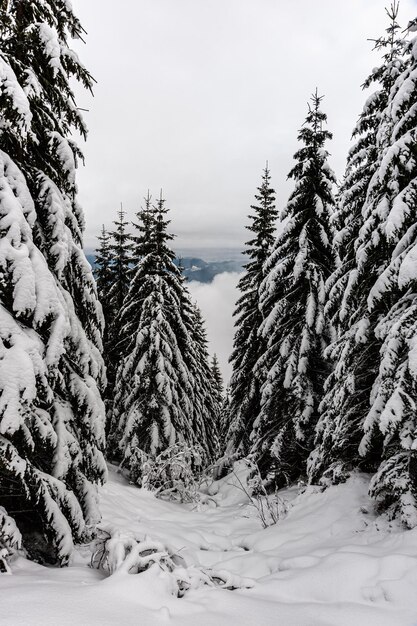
[[195, 95]]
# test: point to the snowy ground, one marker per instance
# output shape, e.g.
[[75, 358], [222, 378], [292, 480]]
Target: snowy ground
[[329, 562]]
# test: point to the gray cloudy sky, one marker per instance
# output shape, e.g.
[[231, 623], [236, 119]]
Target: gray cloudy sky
[[194, 96]]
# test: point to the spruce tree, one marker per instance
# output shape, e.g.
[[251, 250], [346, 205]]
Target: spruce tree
[[218, 380], [363, 249], [219, 400], [132, 249], [121, 261], [207, 403], [121, 249], [51, 413], [158, 402], [391, 422], [141, 241], [224, 421], [103, 273], [292, 303], [248, 345], [104, 279]]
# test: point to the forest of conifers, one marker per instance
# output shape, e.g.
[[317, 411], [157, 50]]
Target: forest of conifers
[[116, 367]]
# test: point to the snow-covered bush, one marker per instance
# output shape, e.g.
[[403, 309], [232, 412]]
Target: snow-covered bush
[[117, 552], [172, 474], [270, 508], [10, 540]]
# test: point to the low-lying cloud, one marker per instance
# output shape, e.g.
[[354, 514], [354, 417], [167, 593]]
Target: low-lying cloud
[[217, 302]]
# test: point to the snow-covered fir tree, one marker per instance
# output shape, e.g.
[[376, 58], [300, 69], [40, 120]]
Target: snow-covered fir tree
[[364, 251], [121, 273], [143, 227], [104, 278], [390, 216], [249, 345], [51, 370], [224, 422], [292, 303], [121, 253], [207, 403], [132, 249], [103, 273], [218, 380], [160, 399], [219, 399]]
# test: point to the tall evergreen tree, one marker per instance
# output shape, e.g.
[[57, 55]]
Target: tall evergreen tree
[[144, 224], [249, 345], [103, 272], [218, 379], [134, 249], [121, 249], [207, 404], [292, 302], [104, 278], [224, 421], [219, 400], [157, 402], [51, 413], [390, 211], [121, 261], [364, 250]]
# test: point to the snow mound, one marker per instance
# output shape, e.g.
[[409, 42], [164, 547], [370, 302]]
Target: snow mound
[[118, 552]]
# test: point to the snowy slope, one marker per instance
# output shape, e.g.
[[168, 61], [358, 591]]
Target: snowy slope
[[329, 562]]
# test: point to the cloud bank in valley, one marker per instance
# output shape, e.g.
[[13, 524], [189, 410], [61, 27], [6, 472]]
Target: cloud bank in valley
[[217, 302]]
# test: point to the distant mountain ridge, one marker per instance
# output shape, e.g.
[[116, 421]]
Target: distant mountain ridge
[[197, 269], [205, 271]]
